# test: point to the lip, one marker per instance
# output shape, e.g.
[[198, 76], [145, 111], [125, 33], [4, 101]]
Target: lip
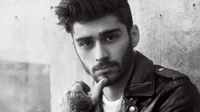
[[104, 68]]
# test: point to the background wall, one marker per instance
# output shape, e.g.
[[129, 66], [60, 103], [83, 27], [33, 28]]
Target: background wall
[[170, 35]]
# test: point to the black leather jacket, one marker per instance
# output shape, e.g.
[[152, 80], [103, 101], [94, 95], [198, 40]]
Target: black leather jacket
[[153, 88]]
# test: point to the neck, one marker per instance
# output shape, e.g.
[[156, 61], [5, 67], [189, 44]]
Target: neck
[[115, 91]]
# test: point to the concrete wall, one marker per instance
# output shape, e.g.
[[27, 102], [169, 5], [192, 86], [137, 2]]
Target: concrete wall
[[28, 33], [170, 33], [169, 36]]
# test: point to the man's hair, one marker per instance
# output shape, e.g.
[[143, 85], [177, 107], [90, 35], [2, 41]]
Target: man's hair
[[70, 11]]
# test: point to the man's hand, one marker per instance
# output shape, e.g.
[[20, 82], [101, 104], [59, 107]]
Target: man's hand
[[78, 100]]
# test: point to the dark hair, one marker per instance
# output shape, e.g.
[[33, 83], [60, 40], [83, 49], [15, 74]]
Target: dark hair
[[70, 11]]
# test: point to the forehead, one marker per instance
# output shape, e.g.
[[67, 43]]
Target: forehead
[[95, 27]]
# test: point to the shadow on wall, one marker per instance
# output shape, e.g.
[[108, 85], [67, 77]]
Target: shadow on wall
[[24, 87]]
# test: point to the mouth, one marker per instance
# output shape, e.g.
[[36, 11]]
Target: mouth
[[104, 68]]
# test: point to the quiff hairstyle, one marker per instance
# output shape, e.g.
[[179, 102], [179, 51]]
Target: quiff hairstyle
[[71, 11]]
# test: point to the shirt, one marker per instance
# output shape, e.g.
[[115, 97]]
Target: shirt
[[110, 106]]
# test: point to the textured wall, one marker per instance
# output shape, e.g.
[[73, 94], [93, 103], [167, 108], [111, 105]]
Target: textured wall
[[28, 33], [22, 85], [170, 33], [169, 36]]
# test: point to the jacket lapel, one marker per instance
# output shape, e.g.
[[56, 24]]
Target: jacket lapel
[[142, 82]]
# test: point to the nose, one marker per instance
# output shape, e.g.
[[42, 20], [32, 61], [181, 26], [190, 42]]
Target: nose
[[101, 53]]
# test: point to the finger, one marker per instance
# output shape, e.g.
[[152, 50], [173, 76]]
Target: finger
[[81, 86], [98, 90], [76, 87], [86, 88]]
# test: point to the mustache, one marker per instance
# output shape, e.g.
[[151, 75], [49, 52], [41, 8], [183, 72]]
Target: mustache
[[104, 64]]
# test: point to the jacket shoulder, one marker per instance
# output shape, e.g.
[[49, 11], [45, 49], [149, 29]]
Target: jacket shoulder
[[169, 73]]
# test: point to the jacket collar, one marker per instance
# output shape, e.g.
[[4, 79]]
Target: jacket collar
[[142, 82]]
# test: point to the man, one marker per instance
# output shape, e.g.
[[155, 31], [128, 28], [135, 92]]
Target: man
[[104, 38]]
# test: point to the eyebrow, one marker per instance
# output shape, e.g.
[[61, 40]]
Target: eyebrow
[[109, 31], [83, 38], [101, 34]]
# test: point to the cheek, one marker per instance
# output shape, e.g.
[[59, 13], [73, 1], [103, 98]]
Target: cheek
[[118, 51], [86, 57]]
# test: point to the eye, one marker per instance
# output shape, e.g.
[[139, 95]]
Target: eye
[[111, 38], [86, 44]]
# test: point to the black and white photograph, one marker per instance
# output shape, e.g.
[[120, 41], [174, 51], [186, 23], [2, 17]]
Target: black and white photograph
[[100, 56]]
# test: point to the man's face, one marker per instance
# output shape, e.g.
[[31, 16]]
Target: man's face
[[104, 48]]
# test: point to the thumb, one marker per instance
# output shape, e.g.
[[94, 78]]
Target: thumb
[[98, 90]]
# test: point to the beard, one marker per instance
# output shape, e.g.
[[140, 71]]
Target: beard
[[123, 68]]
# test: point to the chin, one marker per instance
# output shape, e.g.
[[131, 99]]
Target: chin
[[112, 82], [113, 78]]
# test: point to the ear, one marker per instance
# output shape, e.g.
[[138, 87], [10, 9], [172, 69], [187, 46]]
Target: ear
[[135, 36]]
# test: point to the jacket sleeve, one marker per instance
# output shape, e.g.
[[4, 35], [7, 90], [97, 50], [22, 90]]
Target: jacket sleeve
[[180, 96]]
